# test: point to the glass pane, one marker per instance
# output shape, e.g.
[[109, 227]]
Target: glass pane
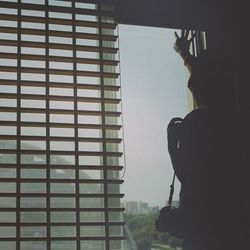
[[91, 202], [33, 173], [32, 117], [90, 146], [7, 202], [62, 159], [7, 245], [62, 202], [7, 130], [7, 232], [114, 202], [92, 231], [63, 231], [33, 232], [92, 216], [95, 133], [4, 102], [33, 145], [61, 145], [63, 245], [115, 231], [31, 245], [32, 202], [93, 244], [115, 216], [33, 131], [33, 187], [88, 188], [89, 160], [8, 172], [61, 91], [7, 217], [62, 174], [33, 159], [63, 216], [91, 174], [115, 244], [33, 216], [7, 187], [64, 188], [32, 90], [32, 103], [85, 5]]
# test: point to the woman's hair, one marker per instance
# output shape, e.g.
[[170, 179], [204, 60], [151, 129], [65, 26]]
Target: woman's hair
[[212, 79]]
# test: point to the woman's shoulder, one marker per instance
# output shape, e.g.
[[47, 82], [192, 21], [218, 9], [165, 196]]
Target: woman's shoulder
[[198, 116]]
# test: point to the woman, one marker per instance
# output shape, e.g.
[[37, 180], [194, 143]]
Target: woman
[[204, 151]]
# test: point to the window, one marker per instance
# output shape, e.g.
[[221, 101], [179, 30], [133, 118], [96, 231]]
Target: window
[[60, 153], [155, 90]]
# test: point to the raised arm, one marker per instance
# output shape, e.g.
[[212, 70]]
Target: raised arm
[[182, 46]]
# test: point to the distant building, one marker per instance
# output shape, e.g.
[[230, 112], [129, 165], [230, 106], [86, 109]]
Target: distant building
[[138, 207], [155, 209]]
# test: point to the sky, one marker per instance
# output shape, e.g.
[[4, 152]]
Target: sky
[[153, 80]]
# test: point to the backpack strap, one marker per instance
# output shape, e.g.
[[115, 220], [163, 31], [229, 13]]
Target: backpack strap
[[170, 199]]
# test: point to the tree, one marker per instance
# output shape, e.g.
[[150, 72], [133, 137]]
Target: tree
[[144, 244], [142, 227]]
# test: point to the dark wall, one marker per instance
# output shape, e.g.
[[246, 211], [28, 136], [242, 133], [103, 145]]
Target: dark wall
[[193, 14]]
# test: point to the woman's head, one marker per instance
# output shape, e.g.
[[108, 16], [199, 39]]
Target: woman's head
[[212, 79]]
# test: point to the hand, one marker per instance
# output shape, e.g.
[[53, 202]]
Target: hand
[[182, 44], [173, 131]]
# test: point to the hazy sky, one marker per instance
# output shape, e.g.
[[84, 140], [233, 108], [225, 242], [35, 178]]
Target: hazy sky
[[154, 91]]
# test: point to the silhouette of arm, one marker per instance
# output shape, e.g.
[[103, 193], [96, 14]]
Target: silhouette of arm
[[182, 46]]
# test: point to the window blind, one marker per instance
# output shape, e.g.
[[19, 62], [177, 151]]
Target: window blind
[[60, 129]]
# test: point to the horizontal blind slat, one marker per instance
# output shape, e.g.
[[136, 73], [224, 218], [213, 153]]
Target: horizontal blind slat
[[59, 125], [37, 180], [58, 209], [61, 98], [60, 46], [54, 152], [35, 19], [63, 195], [60, 111], [40, 7], [25, 31], [58, 72], [54, 166], [60, 85], [58, 59]]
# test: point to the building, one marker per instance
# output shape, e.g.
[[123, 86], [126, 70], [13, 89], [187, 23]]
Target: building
[[138, 207]]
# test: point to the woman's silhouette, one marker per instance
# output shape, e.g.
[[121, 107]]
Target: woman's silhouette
[[204, 149]]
